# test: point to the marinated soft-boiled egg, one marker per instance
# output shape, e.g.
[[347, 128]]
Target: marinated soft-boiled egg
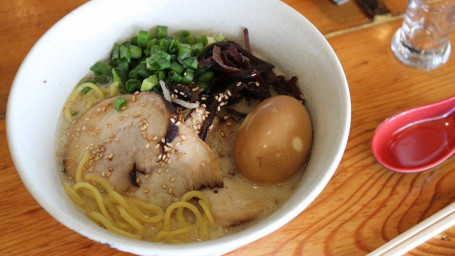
[[274, 140]]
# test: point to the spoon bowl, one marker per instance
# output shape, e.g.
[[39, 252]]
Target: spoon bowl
[[416, 139]]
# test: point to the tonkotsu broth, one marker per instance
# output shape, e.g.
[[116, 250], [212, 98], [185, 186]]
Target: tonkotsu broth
[[276, 195]]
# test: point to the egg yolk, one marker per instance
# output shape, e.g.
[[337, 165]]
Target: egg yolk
[[274, 140]]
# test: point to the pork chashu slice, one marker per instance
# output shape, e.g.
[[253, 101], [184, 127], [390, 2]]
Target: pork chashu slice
[[141, 149]]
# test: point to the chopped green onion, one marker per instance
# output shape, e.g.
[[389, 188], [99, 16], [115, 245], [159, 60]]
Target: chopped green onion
[[155, 48], [206, 76], [102, 72], [125, 52], [161, 31], [116, 52], [210, 40], [135, 52], [190, 62], [147, 52], [174, 46], [116, 77], [203, 40], [188, 76], [176, 67], [101, 68], [160, 75], [219, 37], [142, 38], [133, 85], [151, 42], [134, 40], [149, 83], [184, 51], [197, 49], [121, 69], [85, 90], [186, 37], [164, 43], [174, 76], [202, 85], [119, 103], [158, 61], [140, 71]]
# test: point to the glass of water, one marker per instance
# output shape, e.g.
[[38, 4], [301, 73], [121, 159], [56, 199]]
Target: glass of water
[[423, 39]]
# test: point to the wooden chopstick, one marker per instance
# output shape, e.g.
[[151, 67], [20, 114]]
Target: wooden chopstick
[[413, 237]]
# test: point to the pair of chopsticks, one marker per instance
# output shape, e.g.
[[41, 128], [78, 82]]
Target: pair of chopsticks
[[420, 233]]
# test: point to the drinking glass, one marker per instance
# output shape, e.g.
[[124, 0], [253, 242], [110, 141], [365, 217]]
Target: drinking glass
[[423, 39]]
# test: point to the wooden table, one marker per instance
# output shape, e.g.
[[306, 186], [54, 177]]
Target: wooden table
[[362, 207]]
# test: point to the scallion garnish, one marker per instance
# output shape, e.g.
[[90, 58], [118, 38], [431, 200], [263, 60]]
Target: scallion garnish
[[149, 83], [161, 31], [119, 103], [142, 38], [136, 63], [133, 85]]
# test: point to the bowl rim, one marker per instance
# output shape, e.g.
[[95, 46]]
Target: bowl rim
[[229, 242]]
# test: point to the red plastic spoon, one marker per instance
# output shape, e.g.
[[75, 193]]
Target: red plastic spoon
[[416, 139]]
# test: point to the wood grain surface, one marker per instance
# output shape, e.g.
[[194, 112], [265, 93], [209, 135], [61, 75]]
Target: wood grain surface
[[362, 207]]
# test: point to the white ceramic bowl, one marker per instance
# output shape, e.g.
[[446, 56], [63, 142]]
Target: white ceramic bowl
[[64, 54]]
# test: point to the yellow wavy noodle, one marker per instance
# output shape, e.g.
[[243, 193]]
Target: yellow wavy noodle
[[167, 233], [80, 167], [203, 202], [208, 213], [155, 209], [195, 193], [99, 218], [96, 194], [132, 221], [127, 203], [73, 194], [73, 96], [203, 231]]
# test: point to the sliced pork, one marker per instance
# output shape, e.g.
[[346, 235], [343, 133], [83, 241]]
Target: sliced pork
[[141, 149]]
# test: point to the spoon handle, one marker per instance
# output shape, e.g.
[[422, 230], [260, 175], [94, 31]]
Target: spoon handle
[[413, 237]]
